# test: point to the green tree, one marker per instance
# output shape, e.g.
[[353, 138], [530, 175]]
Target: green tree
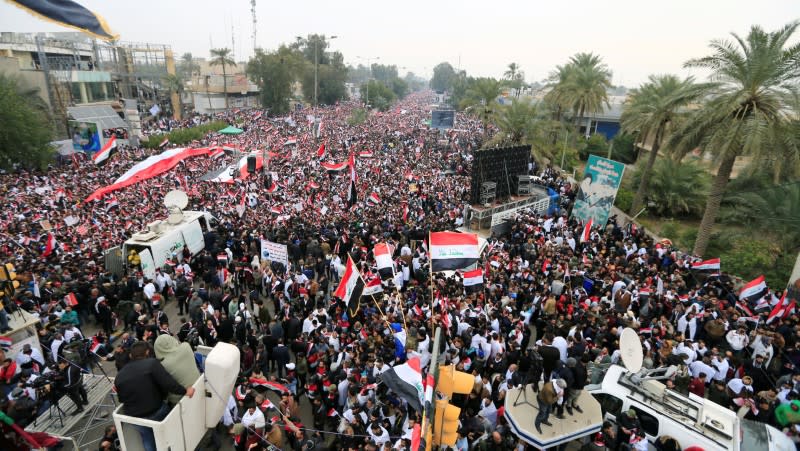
[[174, 84], [274, 73], [515, 121], [587, 85], [753, 78], [774, 210], [443, 77], [331, 79], [558, 90], [650, 110], [678, 188], [514, 77], [188, 67], [25, 127], [222, 57], [380, 96], [481, 97], [399, 87]]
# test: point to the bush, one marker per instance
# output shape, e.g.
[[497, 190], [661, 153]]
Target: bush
[[669, 230], [624, 199], [677, 189], [596, 144], [184, 135], [624, 150]]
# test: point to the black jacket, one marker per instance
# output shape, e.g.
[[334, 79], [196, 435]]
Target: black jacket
[[142, 386]]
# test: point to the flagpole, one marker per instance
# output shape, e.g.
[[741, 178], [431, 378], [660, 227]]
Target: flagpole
[[430, 262]]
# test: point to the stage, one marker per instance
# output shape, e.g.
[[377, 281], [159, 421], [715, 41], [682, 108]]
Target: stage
[[488, 216], [572, 427]]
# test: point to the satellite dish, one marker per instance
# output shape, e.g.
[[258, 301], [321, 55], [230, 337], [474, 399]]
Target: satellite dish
[[176, 199], [631, 349]]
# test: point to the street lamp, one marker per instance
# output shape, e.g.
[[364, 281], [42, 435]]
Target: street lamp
[[369, 59], [316, 64]]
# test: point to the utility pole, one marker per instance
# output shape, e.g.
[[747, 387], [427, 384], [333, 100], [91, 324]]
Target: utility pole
[[316, 66], [369, 63]]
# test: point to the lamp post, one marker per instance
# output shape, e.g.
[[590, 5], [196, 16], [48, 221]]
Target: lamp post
[[369, 59], [316, 65]]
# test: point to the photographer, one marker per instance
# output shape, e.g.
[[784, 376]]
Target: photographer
[[72, 384]]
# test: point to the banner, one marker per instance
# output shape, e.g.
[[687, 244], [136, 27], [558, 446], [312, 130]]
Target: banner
[[598, 189], [274, 252]]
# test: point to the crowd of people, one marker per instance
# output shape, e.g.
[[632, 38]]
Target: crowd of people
[[551, 305]]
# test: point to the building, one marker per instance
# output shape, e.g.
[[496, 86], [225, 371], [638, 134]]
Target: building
[[606, 122], [73, 70], [205, 89]]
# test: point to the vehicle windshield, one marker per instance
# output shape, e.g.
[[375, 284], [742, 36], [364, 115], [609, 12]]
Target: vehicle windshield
[[754, 435]]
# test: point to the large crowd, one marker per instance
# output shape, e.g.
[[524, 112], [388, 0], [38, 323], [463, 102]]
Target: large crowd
[[551, 304]]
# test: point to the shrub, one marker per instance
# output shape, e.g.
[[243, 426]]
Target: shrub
[[184, 135], [624, 199]]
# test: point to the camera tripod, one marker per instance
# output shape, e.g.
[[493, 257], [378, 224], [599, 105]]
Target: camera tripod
[[523, 391]]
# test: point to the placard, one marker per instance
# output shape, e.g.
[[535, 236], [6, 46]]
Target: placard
[[274, 252]]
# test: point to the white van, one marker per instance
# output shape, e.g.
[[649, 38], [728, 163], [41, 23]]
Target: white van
[[691, 420], [161, 240]]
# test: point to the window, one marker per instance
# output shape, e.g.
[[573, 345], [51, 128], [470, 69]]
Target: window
[[649, 422], [608, 403]]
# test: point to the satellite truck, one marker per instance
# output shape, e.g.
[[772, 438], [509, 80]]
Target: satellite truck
[[163, 238], [694, 422]]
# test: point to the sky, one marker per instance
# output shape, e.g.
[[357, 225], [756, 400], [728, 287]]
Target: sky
[[634, 38]]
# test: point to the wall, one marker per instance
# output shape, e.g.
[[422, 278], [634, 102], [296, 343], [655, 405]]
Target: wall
[[31, 78]]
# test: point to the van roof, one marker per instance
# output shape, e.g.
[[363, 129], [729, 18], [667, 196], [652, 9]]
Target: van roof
[[165, 227], [697, 414]]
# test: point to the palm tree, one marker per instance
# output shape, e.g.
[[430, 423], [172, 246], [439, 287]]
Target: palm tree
[[511, 73], [558, 95], [753, 78], [774, 208], [679, 188], [188, 66], [482, 94], [174, 83], [515, 121], [221, 57], [650, 110], [587, 85]]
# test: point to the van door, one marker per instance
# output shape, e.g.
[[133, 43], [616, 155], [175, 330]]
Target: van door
[[193, 237], [148, 266], [164, 247]]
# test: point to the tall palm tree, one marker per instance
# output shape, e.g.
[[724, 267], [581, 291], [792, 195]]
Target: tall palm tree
[[679, 188], [650, 110], [174, 84], [558, 94], [587, 85], [515, 77], [188, 66], [753, 78], [221, 57], [511, 73], [482, 94], [515, 121]]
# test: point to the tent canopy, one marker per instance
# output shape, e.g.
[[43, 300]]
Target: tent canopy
[[231, 130]]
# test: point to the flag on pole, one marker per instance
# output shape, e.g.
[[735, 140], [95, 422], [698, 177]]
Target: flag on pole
[[473, 280], [373, 287], [49, 245], [164, 142], [587, 231], [102, 156], [406, 381], [405, 212], [112, 203], [335, 167], [70, 14], [352, 196], [453, 250], [383, 258], [321, 151], [707, 265], [754, 290], [351, 287], [779, 310], [365, 154]]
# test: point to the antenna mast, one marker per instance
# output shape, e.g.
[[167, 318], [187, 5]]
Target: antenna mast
[[255, 26]]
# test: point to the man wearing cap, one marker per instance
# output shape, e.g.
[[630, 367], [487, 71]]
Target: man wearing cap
[[550, 393]]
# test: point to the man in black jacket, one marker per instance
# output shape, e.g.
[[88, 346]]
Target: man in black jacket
[[72, 383], [142, 385], [281, 356]]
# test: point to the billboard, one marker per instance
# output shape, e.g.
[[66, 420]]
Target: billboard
[[274, 252], [597, 190], [85, 136], [443, 118]]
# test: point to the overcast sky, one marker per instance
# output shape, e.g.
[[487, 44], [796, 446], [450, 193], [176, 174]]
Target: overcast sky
[[635, 38]]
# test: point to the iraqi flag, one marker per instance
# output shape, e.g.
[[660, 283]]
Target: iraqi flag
[[321, 151], [365, 154], [406, 381], [164, 142], [49, 245], [779, 311], [335, 167], [351, 287], [374, 199], [217, 152], [383, 258], [587, 231], [453, 250], [291, 141], [272, 188], [312, 185], [259, 382], [405, 212], [240, 170], [112, 203], [473, 280], [352, 195], [71, 14], [754, 290], [372, 287], [706, 265], [151, 167], [102, 156], [71, 300]]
